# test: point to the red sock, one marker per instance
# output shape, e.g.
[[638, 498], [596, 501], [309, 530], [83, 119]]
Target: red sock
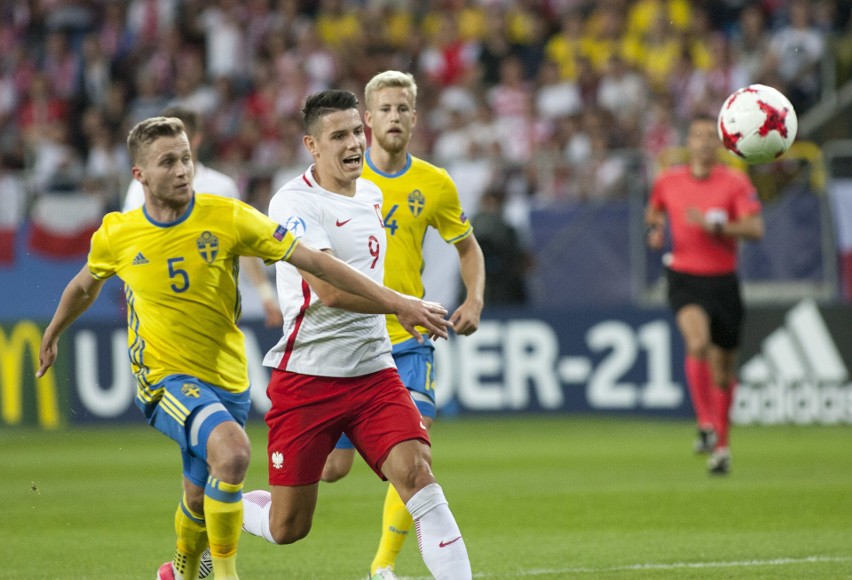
[[724, 398], [698, 381]]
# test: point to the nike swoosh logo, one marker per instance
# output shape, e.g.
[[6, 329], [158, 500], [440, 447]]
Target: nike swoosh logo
[[445, 544], [342, 223]]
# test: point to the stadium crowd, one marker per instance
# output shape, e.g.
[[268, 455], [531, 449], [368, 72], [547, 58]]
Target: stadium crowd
[[506, 87]]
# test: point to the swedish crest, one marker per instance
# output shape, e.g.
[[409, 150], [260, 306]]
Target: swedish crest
[[416, 202], [208, 247], [190, 390]]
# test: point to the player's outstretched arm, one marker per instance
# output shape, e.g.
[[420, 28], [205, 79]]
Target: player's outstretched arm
[[379, 299], [472, 267], [78, 295]]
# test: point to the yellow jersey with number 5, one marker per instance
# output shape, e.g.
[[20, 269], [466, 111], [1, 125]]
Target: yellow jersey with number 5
[[420, 195], [183, 303]]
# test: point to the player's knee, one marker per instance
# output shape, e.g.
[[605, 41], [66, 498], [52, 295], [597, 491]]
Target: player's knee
[[230, 463], [337, 465], [238, 461], [335, 469], [330, 474], [417, 473], [228, 452], [290, 531]]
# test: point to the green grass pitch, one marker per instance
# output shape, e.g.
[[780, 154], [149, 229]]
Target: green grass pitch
[[536, 497]]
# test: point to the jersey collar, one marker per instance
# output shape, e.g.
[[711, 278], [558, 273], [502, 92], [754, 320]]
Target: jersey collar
[[382, 173], [180, 220]]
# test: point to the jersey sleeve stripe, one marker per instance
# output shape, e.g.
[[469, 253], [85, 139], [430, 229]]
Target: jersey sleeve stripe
[[461, 237]]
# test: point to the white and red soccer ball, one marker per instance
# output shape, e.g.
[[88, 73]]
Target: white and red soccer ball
[[757, 124]]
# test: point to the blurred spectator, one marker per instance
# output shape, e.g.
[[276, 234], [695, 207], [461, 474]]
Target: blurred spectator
[[146, 18], [453, 142], [602, 176], [317, 61], [192, 87], [56, 165], [565, 47], [556, 97], [796, 52], [114, 38], [659, 132], [606, 25], [148, 100], [494, 46], [655, 52], [222, 22], [750, 42], [622, 92], [506, 262], [644, 14], [531, 41], [702, 91], [447, 56], [96, 72], [62, 66], [338, 26]]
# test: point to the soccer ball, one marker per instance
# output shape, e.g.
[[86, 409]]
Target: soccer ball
[[757, 124]]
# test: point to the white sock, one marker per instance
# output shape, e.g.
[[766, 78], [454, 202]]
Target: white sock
[[438, 536], [256, 507]]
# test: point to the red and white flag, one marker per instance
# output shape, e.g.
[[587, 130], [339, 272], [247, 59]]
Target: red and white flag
[[12, 204], [63, 224]]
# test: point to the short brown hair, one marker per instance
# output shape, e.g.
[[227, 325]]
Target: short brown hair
[[147, 131], [324, 103]]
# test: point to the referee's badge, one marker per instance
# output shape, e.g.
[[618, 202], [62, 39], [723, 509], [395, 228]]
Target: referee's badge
[[208, 246]]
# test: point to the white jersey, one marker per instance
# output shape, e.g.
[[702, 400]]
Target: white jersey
[[206, 180], [319, 340]]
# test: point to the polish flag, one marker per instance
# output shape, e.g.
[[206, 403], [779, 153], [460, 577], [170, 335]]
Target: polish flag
[[63, 224], [841, 200], [12, 203]]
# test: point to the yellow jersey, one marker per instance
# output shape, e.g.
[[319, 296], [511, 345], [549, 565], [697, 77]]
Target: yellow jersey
[[418, 196], [181, 280]]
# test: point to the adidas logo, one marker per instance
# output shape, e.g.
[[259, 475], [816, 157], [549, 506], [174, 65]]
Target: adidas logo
[[799, 375], [139, 259]]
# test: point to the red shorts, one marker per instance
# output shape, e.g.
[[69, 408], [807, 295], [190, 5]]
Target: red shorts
[[309, 414]]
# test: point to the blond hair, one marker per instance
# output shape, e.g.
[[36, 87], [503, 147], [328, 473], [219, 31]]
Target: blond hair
[[147, 131], [390, 78]]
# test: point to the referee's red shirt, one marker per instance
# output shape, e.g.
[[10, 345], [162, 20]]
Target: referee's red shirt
[[725, 190]]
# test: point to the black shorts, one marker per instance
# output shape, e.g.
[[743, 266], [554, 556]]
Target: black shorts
[[719, 296]]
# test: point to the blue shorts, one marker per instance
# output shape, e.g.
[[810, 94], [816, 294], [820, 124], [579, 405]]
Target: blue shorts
[[416, 365], [188, 412]]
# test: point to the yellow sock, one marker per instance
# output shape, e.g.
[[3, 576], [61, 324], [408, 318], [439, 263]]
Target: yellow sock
[[396, 522], [223, 508], [191, 541]]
